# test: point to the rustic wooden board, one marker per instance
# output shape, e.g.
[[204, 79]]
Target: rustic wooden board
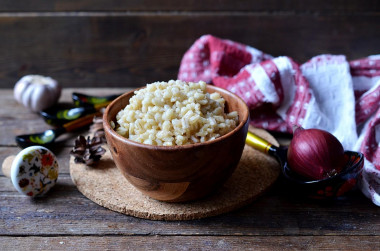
[[133, 48], [65, 219], [205, 5], [15, 119], [156, 242], [65, 211]]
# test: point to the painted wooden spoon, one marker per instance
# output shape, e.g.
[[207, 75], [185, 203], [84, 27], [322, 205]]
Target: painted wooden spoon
[[331, 187], [58, 117], [84, 100], [48, 137]]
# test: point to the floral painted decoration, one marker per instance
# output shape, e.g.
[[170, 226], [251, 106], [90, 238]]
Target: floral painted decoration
[[34, 171]]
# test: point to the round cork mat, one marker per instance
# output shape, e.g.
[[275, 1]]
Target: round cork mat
[[106, 186]]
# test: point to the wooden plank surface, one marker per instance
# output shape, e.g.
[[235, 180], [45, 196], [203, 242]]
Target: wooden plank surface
[[15, 119], [113, 43], [65, 219], [66, 212], [156, 242], [205, 5]]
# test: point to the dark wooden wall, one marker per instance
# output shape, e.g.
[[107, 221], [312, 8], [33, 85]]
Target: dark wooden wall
[[120, 43]]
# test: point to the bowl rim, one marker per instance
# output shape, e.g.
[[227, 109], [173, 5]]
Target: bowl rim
[[109, 129]]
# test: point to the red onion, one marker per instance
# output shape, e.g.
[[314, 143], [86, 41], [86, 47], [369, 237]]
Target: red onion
[[315, 154]]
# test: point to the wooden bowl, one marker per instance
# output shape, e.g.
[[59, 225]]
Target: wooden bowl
[[178, 173]]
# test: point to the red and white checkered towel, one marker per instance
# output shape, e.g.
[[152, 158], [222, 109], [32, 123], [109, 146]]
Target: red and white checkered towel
[[327, 92]]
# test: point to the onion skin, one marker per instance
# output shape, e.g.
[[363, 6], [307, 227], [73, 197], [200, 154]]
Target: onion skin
[[315, 154]]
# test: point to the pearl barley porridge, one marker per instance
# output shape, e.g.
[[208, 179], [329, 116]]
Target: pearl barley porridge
[[174, 113]]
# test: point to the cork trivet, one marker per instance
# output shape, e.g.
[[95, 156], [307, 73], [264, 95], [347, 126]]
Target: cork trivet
[[106, 186]]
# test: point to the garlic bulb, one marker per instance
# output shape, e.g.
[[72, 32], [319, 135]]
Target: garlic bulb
[[37, 92]]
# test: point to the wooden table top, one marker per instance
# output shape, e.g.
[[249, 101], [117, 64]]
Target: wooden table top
[[65, 219]]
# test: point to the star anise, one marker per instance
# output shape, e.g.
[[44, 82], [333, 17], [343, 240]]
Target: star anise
[[87, 151]]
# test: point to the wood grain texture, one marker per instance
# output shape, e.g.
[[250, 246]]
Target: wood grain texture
[[205, 5], [15, 119], [65, 219], [156, 242], [80, 46], [64, 211]]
